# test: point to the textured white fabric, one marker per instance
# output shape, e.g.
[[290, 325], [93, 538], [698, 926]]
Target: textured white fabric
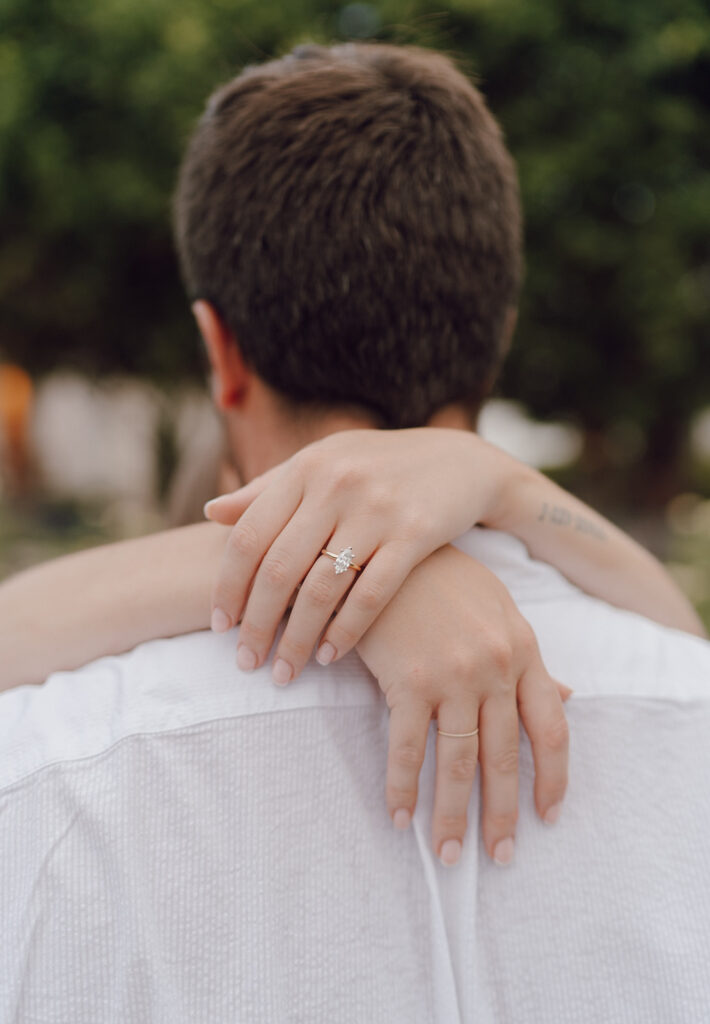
[[183, 843]]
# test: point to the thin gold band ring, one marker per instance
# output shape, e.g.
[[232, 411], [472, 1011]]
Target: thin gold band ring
[[457, 735]]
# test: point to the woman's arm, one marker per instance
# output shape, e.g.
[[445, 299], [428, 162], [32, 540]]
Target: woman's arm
[[395, 497], [590, 551], [106, 600], [443, 657]]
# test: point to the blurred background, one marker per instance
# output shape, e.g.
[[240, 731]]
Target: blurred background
[[105, 428]]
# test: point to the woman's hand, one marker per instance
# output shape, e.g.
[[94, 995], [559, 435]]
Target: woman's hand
[[452, 646], [394, 497]]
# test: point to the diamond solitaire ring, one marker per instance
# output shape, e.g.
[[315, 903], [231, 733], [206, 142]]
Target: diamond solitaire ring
[[344, 561]]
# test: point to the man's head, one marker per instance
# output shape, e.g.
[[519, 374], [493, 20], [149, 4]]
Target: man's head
[[350, 218]]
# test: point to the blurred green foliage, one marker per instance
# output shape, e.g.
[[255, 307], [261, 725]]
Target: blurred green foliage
[[35, 532], [606, 107]]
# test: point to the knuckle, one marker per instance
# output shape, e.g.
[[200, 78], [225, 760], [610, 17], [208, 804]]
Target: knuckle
[[318, 592], [407, 755], [416, 524], [461, 662], [276, 570], [452, 824], [395, 691], [348, 475], [225, 596], [295, 650], [244, 539], [500, 654], [556, 734], [255, 635], [309, 460], [506, 686], [400, 796], [369, 596], [527, 643], [379, 500], [502, 824], [342, 637], [505, 762], [463, 769]]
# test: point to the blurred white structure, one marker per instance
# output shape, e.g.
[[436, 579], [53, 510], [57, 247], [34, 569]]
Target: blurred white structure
[[200, 446], [100, 440], [542, 445], [96, 440]]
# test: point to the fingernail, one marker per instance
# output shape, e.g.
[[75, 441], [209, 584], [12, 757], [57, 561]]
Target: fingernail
[[206, 508], [401, 818], [246, 658], [220, 621], [450, 853], [282, 672], [325, 653], [552, 814], [503, 851]]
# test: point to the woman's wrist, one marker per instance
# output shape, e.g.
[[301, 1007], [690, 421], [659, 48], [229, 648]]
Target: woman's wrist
[[502, 485]]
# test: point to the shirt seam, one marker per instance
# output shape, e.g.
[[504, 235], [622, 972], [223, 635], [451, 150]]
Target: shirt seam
[[181, 729]]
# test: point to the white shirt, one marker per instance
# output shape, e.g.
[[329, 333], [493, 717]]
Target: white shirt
[[183, 843]]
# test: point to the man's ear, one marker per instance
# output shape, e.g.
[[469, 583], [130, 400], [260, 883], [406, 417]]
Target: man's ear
[[230, 375]]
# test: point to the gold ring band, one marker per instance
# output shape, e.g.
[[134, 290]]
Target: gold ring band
[[343, 560], [457, 735]]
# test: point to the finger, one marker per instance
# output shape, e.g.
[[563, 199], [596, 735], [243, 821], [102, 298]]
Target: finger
[[499, 775], [320, 594], [544, 719], [247, 544], [456, 759], [369, 595], [227, 508], [286, 564], [408, 730], [564, 691]]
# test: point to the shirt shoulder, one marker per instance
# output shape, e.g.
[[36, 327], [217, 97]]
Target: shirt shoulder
[[157, 688]]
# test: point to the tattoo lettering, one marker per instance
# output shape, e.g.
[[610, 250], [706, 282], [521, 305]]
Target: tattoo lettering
[[558, 516]]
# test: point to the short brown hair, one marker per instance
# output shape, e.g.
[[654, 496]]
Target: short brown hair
[[353, 215]]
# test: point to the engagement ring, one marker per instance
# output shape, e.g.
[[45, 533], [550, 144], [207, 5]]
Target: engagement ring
[[343, 561]]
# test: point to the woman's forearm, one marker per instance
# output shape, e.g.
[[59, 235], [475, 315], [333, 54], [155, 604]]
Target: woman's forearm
[[106, 600], [589, 550]]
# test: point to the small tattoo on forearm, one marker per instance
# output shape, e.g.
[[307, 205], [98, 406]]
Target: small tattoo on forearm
[[558, 516]]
